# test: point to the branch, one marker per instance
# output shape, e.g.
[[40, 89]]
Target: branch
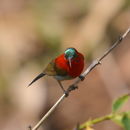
[[95, 121], [48, 113], [90, 123], [87, 71]]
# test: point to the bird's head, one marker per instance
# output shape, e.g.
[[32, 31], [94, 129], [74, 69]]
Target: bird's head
[[70, 53]]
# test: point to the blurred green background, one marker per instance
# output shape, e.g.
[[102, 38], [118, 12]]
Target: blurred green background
[[33, 32]]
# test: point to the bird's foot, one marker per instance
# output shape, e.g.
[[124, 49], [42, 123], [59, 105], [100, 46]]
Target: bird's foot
[[71, 88], [81, 77], [66, 93]]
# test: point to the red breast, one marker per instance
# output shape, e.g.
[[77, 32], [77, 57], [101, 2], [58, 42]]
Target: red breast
[[77, 64]]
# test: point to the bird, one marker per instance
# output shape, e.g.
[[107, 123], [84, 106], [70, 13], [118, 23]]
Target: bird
[[66, 66]]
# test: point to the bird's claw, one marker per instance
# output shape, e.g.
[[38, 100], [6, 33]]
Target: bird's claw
[[66, 93], [72, 87], [81, 77]]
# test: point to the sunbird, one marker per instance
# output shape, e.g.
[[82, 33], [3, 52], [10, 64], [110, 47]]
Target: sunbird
[[66, 66]]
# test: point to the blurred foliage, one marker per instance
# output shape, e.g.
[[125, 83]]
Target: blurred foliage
[[118, 103], [121, 118], [127, 4], [126, 121]]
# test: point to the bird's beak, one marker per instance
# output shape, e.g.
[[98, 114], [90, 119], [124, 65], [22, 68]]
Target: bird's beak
[[69, 61]]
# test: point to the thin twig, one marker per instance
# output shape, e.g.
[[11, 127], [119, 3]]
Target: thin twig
[[87, 71], [100, 119], [48, 113]]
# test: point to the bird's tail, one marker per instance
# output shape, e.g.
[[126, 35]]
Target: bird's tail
[[38, 77]]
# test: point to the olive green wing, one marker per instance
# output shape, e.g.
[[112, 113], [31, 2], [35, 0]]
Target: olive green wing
[[53, 70], [50, 69]]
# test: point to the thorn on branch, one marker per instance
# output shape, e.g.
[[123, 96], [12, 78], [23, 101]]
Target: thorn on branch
[[120, 38], [97, 62]]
